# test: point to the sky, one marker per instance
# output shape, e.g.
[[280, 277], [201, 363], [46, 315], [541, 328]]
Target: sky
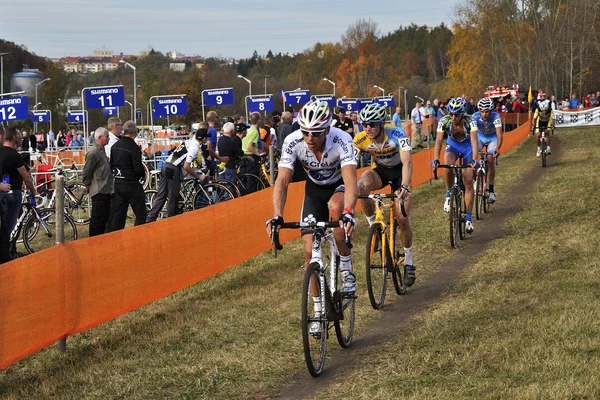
[[234, 28]]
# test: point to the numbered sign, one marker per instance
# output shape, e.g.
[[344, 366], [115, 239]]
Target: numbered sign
[[138, 113], [167, 106], [385, 101], [75, 116], [13, 108], [218, 97], [330, 99], [297, 97], [108, 96], [362, 103], [110, 110], [40, 116], [261, 103], [348, 104]]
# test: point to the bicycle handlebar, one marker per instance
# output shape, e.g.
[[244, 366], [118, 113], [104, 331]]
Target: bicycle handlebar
[[449, 166], [378, 196], [309, 225]]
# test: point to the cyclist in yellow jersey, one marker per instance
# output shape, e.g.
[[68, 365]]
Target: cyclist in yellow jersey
[[393, 164], [544, 116]]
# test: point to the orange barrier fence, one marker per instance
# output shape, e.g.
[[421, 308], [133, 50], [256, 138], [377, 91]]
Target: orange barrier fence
[[74, 286]]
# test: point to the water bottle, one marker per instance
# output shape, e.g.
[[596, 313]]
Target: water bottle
[[6, 180], [31, 199]]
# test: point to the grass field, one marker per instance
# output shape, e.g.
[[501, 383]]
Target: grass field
[[518, 324]]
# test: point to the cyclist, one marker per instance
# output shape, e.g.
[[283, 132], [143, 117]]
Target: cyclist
[[489, 133], [462, 139], [393, 163], [543, 116], [327, 154]]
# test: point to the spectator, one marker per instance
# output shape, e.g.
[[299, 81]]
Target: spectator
[[51, 139], [593, 100], [344, 123], [178, 162], [553, 104], [470, 107], [40, 139], [519, 107], [586, 100], [416, 127], [250, 148], [240, 134], [68, 138], [29, 142], [356, 124], [11, 166], [61, 139], [285, 128], [565, 104], [99, 182], [228, 146], [272, 133], [574, 102], [441, 110], [74, 143], [429, 111], [127, 168], [436, 107], [397, 119], [115, 128], [211, 144]]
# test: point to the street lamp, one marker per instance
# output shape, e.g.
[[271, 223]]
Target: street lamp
[[131, 107], [380, 88], [36, 97], [333, 83], [134, 84], [266, 76], [249, 90], [2, 71], [35, 107]]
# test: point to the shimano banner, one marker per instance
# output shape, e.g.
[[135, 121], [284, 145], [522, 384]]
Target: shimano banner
[[585, 117]]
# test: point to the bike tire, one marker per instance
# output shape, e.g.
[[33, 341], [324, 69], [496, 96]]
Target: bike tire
[[544, 150], [231, 186], [145, 180], [462, 226], [314, 346], [454, 218], [249, 183], [479, 194], [398, 269], [80, 207], [210, 194], [376, 267], [42, 239], [344, 327]]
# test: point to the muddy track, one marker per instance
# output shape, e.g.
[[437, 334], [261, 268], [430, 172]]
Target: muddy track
[[424, 293]]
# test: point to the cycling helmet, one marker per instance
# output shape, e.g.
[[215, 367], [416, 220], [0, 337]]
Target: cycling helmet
[[315, 116], [457, 106], [485, 104], [544, 105], [373, 112]]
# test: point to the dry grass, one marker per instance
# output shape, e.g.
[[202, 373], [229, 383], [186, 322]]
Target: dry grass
[[237, 334]]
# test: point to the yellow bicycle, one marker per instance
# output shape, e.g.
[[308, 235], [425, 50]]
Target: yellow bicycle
[[382, 255]]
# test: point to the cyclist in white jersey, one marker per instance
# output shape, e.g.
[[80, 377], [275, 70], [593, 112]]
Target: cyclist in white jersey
[[489, 133], [327, 155]]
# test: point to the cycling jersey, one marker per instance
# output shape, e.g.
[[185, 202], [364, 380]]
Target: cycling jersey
[[339, 152], [544, 115], [388, 155], [185, 152], [489, 127], [445, 126]]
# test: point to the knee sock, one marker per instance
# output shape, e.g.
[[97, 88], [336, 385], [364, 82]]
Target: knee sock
[[408, 256], [345, 265], [469, 216]]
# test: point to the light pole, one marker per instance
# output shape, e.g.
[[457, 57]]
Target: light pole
[[36, 97], [134, 84], [131, 107], [266, 76], [380, 88], [333, 83], [249, 90], [2, 71]]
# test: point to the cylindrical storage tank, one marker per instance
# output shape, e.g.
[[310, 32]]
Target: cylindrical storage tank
[[25, 81]]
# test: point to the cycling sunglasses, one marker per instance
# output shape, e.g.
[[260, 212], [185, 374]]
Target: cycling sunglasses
[[371, 124], [311, 133]]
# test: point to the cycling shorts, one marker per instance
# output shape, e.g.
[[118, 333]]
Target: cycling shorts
[[316, 198], [386, 175], [463, 148], [491, 141], [543, 125]]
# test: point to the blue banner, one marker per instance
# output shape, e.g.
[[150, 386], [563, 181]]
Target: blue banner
[[168, 106], [108, 96], [297, 97], [261, 103], [110, 111], [329, 98], [386, 101], [218, 97], [40, 116], [362, 103], [75, 116], [348, 104], [138, 113], [13, 108]]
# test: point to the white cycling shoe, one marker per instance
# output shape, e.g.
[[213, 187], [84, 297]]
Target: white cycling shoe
[[349, 284], [447, 205], [469, 227], [539, 153], [315, 328], [492, 198]]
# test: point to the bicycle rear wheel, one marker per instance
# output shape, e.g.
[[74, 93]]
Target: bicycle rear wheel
[[211, 193], [344, 327], [78, 206], [314, 344], [544, 149], [230, 185], [45, 230], [376, 267], [479, 194], [454, 218], [249, 183]]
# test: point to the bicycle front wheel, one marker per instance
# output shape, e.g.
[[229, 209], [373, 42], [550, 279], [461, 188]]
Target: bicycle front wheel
[[344, 326], [78, 203], [211, 193], [543, 146], [376, 267], [398, 270], [454, 218], [314, 343], [479, 194], [45, 230]]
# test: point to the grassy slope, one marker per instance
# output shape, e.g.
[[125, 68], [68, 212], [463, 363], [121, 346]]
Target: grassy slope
[[237, 335]]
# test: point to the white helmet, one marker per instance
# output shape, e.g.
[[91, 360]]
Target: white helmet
[[485, 104], [544, 105], [315, 116]]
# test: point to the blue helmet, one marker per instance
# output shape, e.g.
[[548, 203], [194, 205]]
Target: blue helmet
[[374, 112], [457, 106]]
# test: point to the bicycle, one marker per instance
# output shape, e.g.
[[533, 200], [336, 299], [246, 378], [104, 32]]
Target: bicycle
[[77, 200], [65, 163], [457, 213], [381, 255], [338, 310], [544, 145], [481, 194]]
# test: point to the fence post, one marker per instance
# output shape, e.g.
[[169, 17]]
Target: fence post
[[60, 231], [272, 165]]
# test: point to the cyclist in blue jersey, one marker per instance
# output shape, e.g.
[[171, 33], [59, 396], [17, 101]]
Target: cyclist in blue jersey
[[489, 133], [462, 139]]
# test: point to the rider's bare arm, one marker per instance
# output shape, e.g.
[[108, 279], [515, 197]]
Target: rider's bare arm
[[284, 177]]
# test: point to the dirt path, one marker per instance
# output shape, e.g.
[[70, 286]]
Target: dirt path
[[425, 292]]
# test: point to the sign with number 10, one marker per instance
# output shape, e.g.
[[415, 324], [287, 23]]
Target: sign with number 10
[[107, 96], [218, 97], [13, 109], [167, 106]]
